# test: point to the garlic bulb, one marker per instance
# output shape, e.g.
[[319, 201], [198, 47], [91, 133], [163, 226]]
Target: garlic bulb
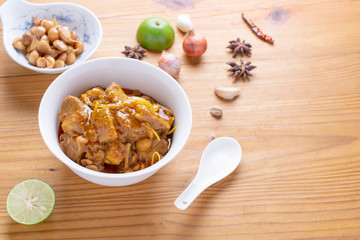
[[184, 23], [170, 64]]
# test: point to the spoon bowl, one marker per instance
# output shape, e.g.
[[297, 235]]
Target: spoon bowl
[[219, 159], [16, 19]]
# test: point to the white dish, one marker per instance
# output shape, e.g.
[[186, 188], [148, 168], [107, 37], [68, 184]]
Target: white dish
[[129, 73], [16, 19]]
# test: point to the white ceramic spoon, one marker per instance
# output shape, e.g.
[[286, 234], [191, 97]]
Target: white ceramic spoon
[[219, 159], [16, 19]]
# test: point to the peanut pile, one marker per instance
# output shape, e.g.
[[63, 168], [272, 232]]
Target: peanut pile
[[49, 45]]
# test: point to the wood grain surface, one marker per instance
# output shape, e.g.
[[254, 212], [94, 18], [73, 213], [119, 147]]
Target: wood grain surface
[[297, 120]]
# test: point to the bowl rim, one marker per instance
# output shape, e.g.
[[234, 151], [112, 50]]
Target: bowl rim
[[96, 46], [148, 170]]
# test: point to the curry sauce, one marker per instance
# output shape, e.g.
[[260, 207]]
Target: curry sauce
[[115, 130]]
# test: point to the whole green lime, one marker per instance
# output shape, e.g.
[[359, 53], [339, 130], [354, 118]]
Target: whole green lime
[[155, 34]]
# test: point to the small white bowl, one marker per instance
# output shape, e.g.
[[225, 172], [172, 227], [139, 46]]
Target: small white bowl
[[16, 18], [129, 73]]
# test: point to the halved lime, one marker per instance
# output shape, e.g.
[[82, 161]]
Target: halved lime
[[31, 202]]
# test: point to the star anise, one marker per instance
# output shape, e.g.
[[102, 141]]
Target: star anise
[[239, 47], [242, 70], [136, 52]]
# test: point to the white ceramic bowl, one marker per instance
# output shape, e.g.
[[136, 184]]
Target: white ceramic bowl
[[129, 73], [16, 19]]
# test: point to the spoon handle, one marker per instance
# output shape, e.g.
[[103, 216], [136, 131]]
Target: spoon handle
[[189, 194]]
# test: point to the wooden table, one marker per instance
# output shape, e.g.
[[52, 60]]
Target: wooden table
[[297, 120]]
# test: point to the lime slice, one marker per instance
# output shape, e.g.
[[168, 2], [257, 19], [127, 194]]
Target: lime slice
[[30, 202]]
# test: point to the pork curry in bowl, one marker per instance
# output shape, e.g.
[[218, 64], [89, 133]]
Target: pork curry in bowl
[[115, 121], [115, 130]]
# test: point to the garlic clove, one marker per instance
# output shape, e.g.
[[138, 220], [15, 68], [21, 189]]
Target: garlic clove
[[32, 45], [43, 47], [79, 47], [73, 35], [27, 38], [39, 31], [60, 45], [45, 38], [227, 92], [62, 57], [184, 23], [47, 24], [50, 61], [53, 34], [70, 58], [53, 52], [37, 22], [65, 35], [18, 44], [59, 63], [33, 57], [41, 62]]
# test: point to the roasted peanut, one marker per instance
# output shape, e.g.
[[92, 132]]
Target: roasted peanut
[[92, 167], [136, 167], [143, 144], [86, 162], [134, 158]]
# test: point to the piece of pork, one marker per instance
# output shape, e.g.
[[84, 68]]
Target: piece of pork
[[73, 115], [73, 147], [115, 93], [90, 96], [102, 120], [157, 122]]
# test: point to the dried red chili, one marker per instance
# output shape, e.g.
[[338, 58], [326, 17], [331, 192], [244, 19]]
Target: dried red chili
[[257, 30]]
